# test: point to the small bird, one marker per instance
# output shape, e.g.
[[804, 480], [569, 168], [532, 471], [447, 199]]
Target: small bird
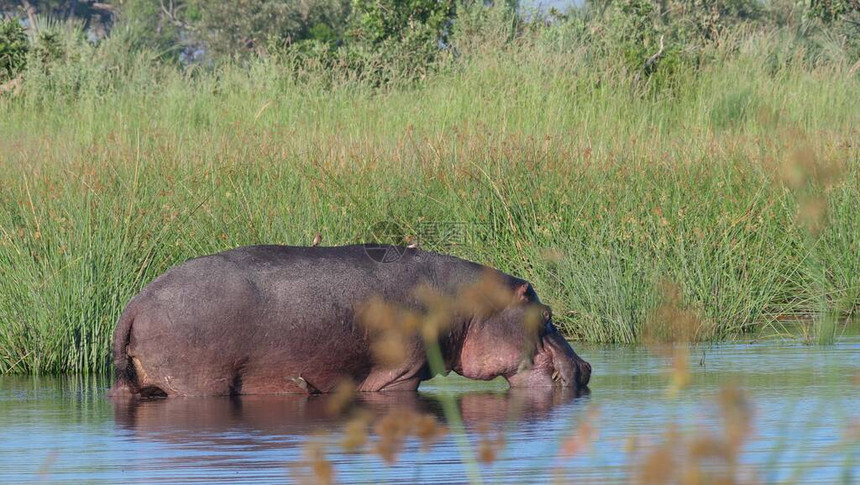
[[411, 242], [303, 384], [317, 240]]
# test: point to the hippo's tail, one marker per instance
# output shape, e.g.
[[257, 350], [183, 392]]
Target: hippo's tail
[[126, 378]]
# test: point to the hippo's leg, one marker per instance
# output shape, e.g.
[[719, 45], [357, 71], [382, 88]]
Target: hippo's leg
[[178, 367], [405, 378], [185, 377]]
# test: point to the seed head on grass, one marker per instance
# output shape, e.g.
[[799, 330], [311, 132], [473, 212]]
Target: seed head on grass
[[659, 465], [314, 461], [851, 434], [355, 433], [809, 176], [395, 328], [322, 468], [632, 444], [586, 433], [395, 427], [672, 321], [486, 296], [698, 456], [737, 418], [490, 444], [48, 463], [428, 429], [439, 312], [392, 328], [797, 169], [669, 325], [812, 212], [390, 348], [680, 373], [342, 396], [551, 255], [391, 430]]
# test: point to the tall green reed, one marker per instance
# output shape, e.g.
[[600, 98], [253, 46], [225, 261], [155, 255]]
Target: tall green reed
[[558, 171]]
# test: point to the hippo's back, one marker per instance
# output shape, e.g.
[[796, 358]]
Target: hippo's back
[[303, 277]]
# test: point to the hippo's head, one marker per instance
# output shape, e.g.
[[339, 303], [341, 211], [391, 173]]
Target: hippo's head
[[521, 343]]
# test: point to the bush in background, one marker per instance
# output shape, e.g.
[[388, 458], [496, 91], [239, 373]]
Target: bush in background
[[13, 48]]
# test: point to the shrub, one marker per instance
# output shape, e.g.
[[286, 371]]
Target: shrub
[[13, 48]]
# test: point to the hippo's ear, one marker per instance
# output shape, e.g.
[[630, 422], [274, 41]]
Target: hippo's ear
[[521, 293]]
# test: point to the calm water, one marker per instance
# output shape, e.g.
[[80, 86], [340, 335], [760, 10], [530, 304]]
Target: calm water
[[803, 400]]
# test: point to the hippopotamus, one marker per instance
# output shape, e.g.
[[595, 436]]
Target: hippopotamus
[[284, 319]]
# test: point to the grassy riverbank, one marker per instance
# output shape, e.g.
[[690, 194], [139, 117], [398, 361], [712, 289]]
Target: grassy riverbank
[[735, 184]]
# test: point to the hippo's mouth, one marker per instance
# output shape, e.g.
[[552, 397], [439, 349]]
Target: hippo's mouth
[[566, 369], [552, 363]]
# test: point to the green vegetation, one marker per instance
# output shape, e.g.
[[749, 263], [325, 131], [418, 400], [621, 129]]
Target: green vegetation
[[576, 153], [13, 49]]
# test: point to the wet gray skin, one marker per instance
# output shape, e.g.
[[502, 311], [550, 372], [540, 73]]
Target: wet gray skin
[[280, 319]]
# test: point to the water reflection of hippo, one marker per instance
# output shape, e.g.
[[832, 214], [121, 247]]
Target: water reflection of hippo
[[277, 319], [299, 415]]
